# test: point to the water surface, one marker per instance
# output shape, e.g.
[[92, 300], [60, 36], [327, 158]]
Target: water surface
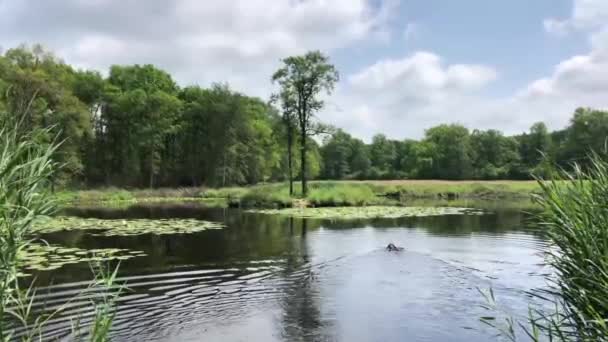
[[272, 278]]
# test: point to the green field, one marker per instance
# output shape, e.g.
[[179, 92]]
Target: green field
[[322, 193]]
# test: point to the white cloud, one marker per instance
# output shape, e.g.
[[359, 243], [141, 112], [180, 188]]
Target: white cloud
[[242, 41], [238, 41], [405, 96], [401, 97], [586, 14]]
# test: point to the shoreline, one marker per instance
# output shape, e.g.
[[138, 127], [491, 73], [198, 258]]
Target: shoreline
[[322, 194]]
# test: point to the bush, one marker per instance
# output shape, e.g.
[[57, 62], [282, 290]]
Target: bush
[[234, 193], [342, 195], [267, 196]]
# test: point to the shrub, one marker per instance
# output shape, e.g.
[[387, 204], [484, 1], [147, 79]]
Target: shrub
[[342, 195]]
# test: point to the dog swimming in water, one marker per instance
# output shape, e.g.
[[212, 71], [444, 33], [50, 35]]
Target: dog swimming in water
[[392, 248]]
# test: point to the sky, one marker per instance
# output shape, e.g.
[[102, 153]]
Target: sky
[[405, 66]]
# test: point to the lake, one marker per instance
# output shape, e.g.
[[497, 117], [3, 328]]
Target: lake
[[274, 278]]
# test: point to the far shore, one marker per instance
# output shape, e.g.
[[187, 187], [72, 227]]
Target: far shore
[[322, 193]]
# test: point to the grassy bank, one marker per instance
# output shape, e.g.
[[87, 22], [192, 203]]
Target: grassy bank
[[322, 193]]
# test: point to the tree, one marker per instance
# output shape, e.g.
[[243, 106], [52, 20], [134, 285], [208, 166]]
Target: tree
[[337, 154], [588, 131], [38, 89], [382, 153], [306, 77], [494, 155], [141, 115], [535, 145], [360, 163], [450, 151], [288, 104]]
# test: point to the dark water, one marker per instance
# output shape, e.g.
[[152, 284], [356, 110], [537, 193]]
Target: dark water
[[269, 278]]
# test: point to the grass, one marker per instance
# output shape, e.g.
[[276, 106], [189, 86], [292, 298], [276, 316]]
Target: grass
[[453, 189], [26, 171], [338, 194], [322, 193], [575, 220]]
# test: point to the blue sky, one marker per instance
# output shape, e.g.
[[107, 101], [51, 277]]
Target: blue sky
[[405, 65], [506, 34]]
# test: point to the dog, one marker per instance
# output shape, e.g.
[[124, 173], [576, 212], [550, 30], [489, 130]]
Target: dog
[[392, 248]]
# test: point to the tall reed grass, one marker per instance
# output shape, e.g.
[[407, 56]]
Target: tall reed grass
[[575, 221], [26, 174]]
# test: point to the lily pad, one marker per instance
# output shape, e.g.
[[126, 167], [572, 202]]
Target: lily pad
[[124, 227], [370, 212], [42, 257]]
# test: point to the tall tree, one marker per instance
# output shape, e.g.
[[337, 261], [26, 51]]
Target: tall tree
[[383, 153], [337, 154], [494, 155], [588, 131], [451, 151], [535, 145], [288, 102], [142, 113], [306, 77]]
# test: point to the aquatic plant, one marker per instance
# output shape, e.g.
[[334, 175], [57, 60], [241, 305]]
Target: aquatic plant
[[370, 212], [575, 220], [25, 172], [125, 227], [44, 257]]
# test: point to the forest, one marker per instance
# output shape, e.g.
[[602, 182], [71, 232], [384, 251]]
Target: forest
[[136, 127]]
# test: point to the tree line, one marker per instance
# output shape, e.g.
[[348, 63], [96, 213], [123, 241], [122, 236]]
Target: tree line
[[137, 127], [451, 151]]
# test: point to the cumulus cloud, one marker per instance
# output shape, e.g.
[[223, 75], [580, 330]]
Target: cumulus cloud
[[238, 41], [402, 97], [242, 41], [586, 14]]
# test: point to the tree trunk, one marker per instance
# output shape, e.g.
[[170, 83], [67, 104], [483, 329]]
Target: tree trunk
[[303, 160], [290, 158], [151, 184], [224, 170]]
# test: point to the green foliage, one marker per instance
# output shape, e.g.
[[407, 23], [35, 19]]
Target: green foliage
[[451, 151], [138, 128], [575, 219], [382, 152], [331, 194], [38, 89], [267, 196], [44, 257], [124, 227], [25, 171], [302, 79], [587, 132]]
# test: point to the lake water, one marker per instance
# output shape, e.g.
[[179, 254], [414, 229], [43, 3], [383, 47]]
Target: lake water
[[271, 278]]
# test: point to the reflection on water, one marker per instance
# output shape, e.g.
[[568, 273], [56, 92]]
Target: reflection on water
[[271, 278]]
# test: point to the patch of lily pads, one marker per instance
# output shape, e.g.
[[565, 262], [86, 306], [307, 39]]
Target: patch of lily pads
[[370, 212], [120, 227], [42, 257]]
